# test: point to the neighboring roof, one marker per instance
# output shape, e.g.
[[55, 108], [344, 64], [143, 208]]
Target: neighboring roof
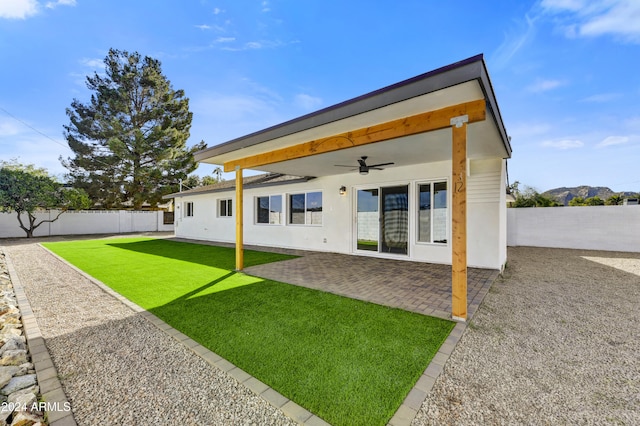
[[261, 180], [469, 69]]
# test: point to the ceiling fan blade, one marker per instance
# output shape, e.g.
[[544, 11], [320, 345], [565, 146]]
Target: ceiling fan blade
[[380, 165]]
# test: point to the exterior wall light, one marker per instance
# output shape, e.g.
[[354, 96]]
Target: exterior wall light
[[343, 190]]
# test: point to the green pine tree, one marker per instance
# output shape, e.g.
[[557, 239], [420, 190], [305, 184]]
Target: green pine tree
[[130, 139]]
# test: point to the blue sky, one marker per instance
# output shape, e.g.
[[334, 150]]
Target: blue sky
[[565, 72]]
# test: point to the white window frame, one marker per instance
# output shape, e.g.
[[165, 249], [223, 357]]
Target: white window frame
[[432, 183], [228, 211], [256, 202], [306, 203], [188, 209]]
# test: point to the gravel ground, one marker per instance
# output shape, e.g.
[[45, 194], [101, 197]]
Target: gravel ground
[[556, 341], [118, 368]]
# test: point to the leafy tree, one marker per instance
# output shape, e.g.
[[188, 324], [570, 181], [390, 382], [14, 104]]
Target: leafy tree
[[591, 201], [529, 197], [614, 200], [192, 181], [209, 180], [195, 181], [594, 201], [217, 173], [577, 201], [130, 139], [27, 189]]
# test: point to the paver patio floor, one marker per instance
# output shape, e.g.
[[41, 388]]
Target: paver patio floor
[[419, 287], [414, 286]]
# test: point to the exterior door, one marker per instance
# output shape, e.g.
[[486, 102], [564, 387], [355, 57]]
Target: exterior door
[[368, 220], [382, 219]]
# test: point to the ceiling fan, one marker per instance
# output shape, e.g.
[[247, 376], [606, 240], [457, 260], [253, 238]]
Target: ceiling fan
[[364, 168]]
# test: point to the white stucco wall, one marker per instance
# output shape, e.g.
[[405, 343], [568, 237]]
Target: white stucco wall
[[486, 222], [613, 228], [86, 223]]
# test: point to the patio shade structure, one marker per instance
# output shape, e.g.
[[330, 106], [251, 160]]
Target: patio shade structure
[[428, 118]]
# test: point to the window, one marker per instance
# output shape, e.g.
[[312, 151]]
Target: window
[[269, 209], [225, 208], [432, 212], [305, 209], [188, 209]]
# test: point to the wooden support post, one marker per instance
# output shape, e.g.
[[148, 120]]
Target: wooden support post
[[239, 221], [459, 219]]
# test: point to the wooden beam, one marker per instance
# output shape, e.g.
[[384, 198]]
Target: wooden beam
[[239, 221], [420, 123], [459, 220]]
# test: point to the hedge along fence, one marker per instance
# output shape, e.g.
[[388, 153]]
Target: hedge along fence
[[87, 222], [611, 228]]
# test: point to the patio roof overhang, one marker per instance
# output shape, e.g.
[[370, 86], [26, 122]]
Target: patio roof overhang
[[403, 103], [449, 114]]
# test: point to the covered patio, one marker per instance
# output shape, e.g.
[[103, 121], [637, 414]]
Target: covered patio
[[436, 147], [419, 287]]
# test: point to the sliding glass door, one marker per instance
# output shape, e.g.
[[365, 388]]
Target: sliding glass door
[[368, 219], [383, 219]]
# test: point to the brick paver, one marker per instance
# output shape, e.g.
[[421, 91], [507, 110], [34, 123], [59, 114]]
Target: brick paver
[[414, 286]]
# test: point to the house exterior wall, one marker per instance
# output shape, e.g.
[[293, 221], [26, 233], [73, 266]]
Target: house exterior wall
[[486, 219]]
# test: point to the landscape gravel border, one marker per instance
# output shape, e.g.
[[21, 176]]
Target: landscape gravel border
[[46, 373], [273, 397]]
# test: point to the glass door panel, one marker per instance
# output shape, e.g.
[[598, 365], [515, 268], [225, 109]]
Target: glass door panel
[[394, 223], [368, 219]]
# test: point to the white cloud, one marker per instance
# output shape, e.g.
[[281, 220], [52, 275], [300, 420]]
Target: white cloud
[[54, 4], [573, 5], [217, 11], [221, 117], [582, 18], [307, 102], [256, 45], [29, 145], [22, 9], [265, 6], [614, 140], [203, 27], [527, 130], [514, 41], [18, 9], [633, 122], [92, 63], [603, 97], [8, 128], [563, 144], [545, 85]]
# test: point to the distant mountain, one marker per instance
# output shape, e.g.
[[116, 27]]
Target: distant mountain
[[564, 195]]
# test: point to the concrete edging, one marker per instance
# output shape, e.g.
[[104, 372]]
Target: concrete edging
[[51, 389]]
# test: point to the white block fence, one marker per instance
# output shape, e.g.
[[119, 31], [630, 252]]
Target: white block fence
[[86, 222], [611, 228]]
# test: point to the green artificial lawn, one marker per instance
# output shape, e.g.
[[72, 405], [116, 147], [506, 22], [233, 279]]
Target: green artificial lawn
[[347, 361]]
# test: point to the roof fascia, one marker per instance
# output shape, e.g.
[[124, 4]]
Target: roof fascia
[[460, 72], [233, 188]]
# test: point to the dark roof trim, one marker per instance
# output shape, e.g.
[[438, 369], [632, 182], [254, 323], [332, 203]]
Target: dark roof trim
[[250, 185], [469, 69]]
